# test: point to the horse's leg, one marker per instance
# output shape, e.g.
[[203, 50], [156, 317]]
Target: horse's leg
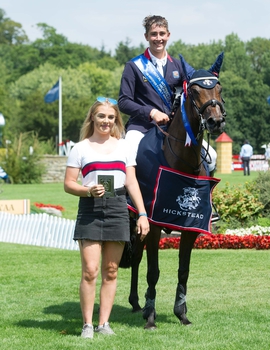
[[136, 259], [152, 247], [186, 244], [137, 254]]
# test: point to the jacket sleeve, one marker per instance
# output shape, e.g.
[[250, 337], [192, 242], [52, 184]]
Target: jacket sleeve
[[129, 101]]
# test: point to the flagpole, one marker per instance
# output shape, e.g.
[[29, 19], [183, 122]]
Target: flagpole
[[60, 117]]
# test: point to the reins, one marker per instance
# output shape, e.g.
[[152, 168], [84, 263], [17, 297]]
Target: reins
[[201, 127]]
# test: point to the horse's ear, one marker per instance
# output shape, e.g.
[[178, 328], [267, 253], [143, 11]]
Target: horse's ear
[[187, 69], [215, 68]]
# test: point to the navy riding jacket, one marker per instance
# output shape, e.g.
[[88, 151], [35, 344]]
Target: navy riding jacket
[[137, 97]]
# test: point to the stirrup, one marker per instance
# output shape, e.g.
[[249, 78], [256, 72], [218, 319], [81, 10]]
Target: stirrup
[[167, 230], [215, 217]]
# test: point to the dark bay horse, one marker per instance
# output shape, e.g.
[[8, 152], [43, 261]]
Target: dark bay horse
[[200, 108]]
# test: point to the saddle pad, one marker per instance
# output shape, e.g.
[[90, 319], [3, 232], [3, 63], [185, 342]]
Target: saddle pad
[[172, 199]]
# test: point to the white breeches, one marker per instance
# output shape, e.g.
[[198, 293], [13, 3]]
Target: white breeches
[[211, 157], [134, 137]]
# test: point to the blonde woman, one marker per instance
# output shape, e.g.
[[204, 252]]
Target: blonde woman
[[102, 224]]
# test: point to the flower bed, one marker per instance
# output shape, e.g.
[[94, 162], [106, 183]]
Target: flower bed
[[42, 205], [52, 209], [230, 240]]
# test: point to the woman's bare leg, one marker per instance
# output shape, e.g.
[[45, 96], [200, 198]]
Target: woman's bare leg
[[111, 256]]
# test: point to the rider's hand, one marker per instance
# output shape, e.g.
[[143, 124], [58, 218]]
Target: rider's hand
[[159, 117]]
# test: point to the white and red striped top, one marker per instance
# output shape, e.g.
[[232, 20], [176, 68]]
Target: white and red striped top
[[92, 163]]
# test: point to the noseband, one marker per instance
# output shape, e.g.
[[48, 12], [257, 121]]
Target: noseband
[[201, 110]]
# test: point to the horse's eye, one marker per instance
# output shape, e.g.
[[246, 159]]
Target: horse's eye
[[195, 91]]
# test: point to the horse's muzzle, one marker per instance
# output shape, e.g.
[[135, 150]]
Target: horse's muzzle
[[215, 126]]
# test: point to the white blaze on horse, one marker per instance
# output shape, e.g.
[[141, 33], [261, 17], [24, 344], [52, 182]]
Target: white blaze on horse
[[165, 157]]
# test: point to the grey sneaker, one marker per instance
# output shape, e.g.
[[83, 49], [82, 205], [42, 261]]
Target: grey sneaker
[[104, 329], [87, 331]]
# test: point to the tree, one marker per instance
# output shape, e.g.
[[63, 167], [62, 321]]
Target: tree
[[124, 53], [258, 50], [235, 58], [247, 114], [11, 32], [199, 57], [103, 82]]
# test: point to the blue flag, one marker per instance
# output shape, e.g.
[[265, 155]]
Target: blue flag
[[53, 94], [268, 99]]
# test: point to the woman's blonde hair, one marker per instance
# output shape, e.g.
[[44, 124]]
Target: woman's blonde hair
[[87, 129]]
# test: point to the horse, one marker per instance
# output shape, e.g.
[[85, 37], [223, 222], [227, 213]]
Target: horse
[[198, 108]]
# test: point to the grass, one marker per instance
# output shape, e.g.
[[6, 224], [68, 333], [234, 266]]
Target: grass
[[235, 178], [228, 302], [228, 294], [53, 193]]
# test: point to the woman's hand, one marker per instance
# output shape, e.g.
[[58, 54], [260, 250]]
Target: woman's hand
[[142, 227], [97, 190]]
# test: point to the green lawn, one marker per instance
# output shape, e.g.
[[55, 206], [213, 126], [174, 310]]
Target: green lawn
[[54, 193], [236, 178], [228, 302], [43, 193]]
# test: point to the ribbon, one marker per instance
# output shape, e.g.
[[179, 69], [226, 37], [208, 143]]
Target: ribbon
[[190, 135], [155, 79]]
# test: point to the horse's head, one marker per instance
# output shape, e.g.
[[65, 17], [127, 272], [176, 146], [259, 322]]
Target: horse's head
[[203, 89]]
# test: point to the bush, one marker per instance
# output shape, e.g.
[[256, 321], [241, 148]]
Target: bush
[[262, 187], [22, 159], [238, 206]]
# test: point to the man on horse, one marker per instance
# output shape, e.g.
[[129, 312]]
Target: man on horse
[[149, 87], [149, 83]]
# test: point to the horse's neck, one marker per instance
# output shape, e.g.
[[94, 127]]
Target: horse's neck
[[179, 155]]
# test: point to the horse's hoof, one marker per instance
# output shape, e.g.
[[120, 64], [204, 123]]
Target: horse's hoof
[[184, 320], [150, 326]]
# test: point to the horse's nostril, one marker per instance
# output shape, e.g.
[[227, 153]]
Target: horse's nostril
[[211, 121]]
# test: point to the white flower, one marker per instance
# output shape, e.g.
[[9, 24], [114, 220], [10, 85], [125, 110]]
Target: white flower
[[253, 230]]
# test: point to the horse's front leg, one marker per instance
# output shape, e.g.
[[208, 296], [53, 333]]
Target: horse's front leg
[[136, 259], [152, 247], [185, 249]]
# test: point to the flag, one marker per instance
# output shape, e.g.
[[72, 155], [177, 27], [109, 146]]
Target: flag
[[268, 99], [53, 94]]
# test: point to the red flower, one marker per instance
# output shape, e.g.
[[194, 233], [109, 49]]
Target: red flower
[[41, 205], [220, 241]]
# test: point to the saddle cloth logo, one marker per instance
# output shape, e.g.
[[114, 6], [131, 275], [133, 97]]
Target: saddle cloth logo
[[181, 201], [189, 200]]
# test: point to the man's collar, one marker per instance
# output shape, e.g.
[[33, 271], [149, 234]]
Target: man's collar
[[148, 55]]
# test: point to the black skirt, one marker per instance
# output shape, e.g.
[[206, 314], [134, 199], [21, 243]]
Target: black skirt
[[102, 219]]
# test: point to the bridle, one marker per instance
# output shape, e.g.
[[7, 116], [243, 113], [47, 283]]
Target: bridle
[[201, 128], [201, 110]]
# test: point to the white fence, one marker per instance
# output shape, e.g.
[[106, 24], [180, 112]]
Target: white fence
[[37, 229]]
